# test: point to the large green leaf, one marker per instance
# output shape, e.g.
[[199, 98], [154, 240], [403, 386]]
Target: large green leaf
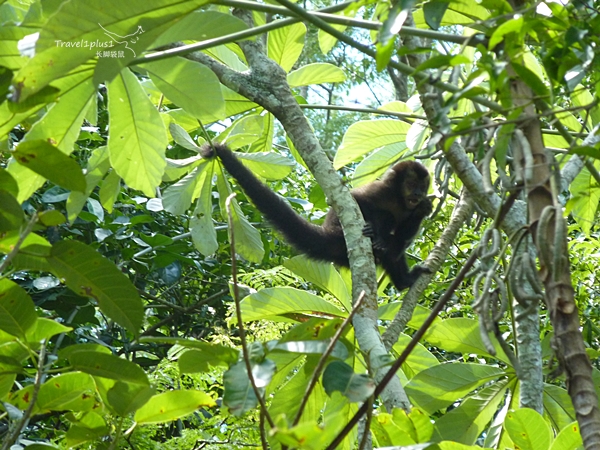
[[339, 376], [367, 135], [89, 274], [568, 439], [585, 199], [126, 398], [11, 214], [97, 166], [316, 73], [418, 360], [86, 427], [439, 386], [285, 45], [108, 366], [177, 198], [17, 311], [72, 391], [200, 26], [269, 165], [45, 328], [177, 77], [137, 135], [466, 423], [528, 429], [8, 183], [204, 234], [247, 238], [558, 406], [463, 336], [48, 161], [276, 303], [323, 275], [171, 406], [239, 396], [100, 24]]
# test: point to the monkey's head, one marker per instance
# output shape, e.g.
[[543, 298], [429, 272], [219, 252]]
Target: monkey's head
[[411, 179]]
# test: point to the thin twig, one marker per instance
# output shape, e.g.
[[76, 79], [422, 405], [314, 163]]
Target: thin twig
[[409, 348], [28, 229], [39, 378], [321, 364], [238, 312]]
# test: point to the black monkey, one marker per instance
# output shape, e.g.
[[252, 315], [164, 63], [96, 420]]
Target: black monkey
[[393, 208]]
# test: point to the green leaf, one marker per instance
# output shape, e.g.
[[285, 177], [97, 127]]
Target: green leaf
[[434, 13], [374, 165], [45, 328], [510, 26], [126, 398], [57, 51], [583, 203], [49, 162], [418, 360], [137, 137], [339, 376], [51, 218], [87, 427], [276, 303], [401, 429], [201, 26], [108, 366], [73, 391], [316, 73], [8, 183], [466, 422], [109, 191], [17, 310], [285, 45], [367, 135], [81, 347], [462, 336], [97, 166], [59, 126], [268, 165], [239, 396], [171, 406], [204, 235], [11, 214], [181, 137], [10, 365], [531, 79], [528, 429], [88, 273], [439, 386], [586, 150], [177, 77], [193, 360], [324, 275], [247, 238], [568, 439], [177, 198]]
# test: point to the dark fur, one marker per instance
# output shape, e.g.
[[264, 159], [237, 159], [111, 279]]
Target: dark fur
[[393, 208]]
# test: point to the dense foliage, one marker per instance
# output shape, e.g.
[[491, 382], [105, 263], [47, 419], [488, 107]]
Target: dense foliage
[[137, 294]]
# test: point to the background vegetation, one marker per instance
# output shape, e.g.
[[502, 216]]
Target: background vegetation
[[136, 295]]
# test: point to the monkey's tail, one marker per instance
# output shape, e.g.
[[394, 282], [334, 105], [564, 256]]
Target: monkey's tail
[[300, 233]]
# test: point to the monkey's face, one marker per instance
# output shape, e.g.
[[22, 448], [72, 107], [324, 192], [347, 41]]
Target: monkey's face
[[414, 188]]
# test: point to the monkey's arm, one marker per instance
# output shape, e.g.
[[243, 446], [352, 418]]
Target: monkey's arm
[[317, 242]]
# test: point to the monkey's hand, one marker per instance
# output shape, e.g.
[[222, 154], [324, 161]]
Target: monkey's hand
[[417, 271], [376, 241], [424, 208]]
